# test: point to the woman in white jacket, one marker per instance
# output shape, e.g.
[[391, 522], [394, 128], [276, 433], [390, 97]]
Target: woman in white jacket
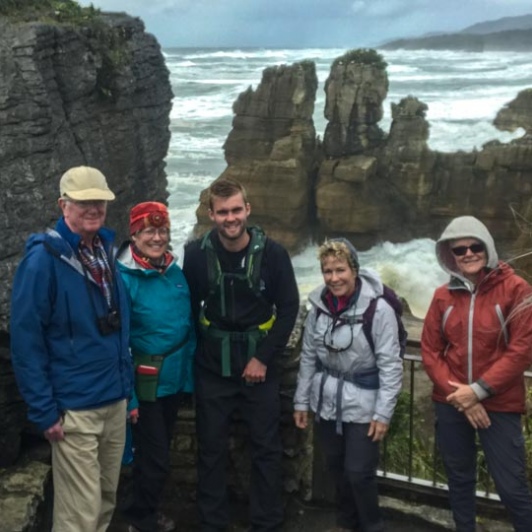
[[351, 387]]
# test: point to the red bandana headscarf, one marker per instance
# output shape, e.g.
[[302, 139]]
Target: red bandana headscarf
[[149, 214]]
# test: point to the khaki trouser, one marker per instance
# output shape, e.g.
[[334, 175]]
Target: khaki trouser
[[86, 468]]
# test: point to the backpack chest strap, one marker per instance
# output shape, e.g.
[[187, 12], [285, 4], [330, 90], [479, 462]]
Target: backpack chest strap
[[367, 380]]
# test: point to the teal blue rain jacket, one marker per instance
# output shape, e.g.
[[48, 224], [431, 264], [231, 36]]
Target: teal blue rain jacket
[[161, 321]]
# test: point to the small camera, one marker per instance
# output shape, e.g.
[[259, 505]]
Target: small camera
[[110, 323]]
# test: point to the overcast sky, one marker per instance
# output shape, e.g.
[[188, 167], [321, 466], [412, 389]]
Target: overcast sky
[[305, 23]]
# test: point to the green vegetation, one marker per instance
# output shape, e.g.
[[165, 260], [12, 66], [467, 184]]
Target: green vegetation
[[362, 56], [115, 55], [110, 43], [58, 11], [396, 456]]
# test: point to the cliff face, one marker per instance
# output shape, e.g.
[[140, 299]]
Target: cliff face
[[95, 95], [71, 95], [354, 95]]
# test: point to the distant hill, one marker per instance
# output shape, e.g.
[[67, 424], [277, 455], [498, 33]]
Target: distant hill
[[505, 34], [523, 22]]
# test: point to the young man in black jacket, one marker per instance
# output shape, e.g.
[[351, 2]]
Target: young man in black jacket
[[245, 302]]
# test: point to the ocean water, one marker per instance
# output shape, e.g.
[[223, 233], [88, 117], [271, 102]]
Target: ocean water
[[463, 92]]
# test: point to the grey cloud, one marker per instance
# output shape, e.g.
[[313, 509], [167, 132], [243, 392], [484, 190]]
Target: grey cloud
[[299, 23]]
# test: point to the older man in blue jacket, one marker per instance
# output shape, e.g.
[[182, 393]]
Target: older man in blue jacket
[[69, 347]]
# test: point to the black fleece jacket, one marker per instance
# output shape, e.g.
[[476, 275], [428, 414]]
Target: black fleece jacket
[[278, 287]]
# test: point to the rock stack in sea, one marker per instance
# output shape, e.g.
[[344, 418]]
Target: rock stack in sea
[[361, 182], [271, 149], [344, 194]]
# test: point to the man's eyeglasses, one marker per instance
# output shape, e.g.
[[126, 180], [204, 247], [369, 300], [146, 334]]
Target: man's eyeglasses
[[163, 232], [460, 251]]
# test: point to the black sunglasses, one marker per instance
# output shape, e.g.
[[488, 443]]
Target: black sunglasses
[[328, 341], [460, 251]]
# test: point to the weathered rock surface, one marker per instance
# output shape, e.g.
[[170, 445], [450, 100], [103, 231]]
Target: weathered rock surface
[[354, 95], [12, 409], [25, 498], [271, 151], [98, 95], [516, 114], [414, 191]]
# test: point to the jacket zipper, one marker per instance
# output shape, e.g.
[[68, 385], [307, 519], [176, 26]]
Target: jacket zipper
[[470, 338]]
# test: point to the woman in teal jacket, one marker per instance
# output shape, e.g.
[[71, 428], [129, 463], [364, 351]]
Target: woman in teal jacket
[[162, 342]]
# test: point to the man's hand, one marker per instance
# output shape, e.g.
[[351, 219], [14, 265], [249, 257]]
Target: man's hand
[[377, 430], [55, 432], [463, 397], [255, 371], [301, 419], [477, 416]]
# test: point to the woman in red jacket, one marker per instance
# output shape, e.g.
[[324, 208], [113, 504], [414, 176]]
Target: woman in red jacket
[[476, 344]]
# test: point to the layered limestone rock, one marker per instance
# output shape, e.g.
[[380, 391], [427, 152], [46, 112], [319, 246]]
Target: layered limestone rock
[[12, 409], [355, 89], [360, 182], [397, 189], [25, 498], [345, 196], [95, 94], [271, 151], [516, 114]]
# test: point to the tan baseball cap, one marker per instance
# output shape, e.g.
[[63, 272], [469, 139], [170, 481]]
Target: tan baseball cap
[[85, 183]]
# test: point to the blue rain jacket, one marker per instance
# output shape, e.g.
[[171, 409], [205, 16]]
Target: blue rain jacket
[[60, 359]]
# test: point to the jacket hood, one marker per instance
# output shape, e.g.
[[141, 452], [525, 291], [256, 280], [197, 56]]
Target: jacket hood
[[464, 227], [371, 288], [62, 241], [52, 240]]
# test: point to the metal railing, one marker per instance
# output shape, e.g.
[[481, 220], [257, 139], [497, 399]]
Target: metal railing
[[434, 481]]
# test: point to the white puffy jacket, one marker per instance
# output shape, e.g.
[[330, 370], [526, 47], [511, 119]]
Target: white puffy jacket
[[359, 405]]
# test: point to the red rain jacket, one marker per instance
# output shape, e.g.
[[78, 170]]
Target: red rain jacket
[[473, 337]]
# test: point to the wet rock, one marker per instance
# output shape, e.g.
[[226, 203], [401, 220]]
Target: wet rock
[[69, 95], [25, 498]]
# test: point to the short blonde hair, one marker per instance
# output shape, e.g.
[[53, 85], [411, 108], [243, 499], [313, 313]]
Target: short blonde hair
[[339, 250]]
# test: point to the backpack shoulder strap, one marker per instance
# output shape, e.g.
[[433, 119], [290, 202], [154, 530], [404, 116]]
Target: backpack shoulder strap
[[395, 303], [214, 270], [254, 258], [252, 265], [367, 321]]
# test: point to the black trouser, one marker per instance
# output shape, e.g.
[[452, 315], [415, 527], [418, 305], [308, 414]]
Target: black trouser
[[504, 448], [352, 459], [152, 435], [217, 398]]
